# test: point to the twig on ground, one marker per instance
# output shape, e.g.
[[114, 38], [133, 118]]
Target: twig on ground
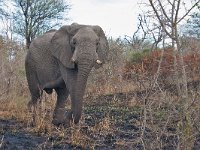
[[1, 141]]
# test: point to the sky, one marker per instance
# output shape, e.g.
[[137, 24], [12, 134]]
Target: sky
[[116, 17]]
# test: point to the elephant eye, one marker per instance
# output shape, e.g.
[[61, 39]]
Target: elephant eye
[[97, 49], [73, 42], [97, 43]]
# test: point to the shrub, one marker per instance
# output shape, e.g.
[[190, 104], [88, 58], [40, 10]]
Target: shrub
[[137, 57], [147, 64]]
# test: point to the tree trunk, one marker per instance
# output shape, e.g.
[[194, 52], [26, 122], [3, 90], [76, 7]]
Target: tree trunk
[[28, 42]]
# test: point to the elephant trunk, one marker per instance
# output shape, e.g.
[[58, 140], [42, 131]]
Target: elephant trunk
[[77, 102]]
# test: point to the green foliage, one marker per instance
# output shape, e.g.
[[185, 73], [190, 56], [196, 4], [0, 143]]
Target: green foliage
[[35, 17], [136, 57]]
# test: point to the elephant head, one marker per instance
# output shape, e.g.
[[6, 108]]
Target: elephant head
[[79, 48], [72, 42]]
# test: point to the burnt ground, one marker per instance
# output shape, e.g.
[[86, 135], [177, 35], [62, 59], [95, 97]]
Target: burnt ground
[[107, 125], [14, 136]]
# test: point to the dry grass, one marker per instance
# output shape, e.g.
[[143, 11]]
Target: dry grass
[[161, 114], [118, 113]]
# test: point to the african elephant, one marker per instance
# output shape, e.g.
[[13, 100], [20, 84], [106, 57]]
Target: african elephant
[[62, 60]]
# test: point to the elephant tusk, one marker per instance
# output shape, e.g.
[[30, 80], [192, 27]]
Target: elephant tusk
[[73, 60], [99, 62]]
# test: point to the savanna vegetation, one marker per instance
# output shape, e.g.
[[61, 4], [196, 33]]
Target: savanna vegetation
[[147, 95]]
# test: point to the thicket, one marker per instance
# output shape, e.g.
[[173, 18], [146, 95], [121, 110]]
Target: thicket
[[12, 73], [146, 63]]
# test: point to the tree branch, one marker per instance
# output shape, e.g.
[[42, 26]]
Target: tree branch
[[188, 11], [159, 19]]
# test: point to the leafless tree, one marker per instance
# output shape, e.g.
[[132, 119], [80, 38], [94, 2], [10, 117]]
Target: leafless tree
[[148, 29], [170, 12]]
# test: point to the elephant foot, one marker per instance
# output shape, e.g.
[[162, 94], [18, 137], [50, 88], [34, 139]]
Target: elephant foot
[[57, 122], [62, 121], [65, 123]]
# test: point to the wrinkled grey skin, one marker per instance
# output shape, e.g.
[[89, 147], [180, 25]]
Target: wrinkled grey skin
[[62, 60]]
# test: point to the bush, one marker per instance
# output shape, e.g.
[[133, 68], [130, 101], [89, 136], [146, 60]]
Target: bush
[[146, 64], [137, 57], [12, 70]]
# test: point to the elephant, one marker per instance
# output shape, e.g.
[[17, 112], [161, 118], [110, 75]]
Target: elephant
[[62, 60]]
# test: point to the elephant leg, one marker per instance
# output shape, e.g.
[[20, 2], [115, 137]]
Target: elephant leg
[[59, 116], [33, 84], [35, 95], [35, 90], [32, 104]]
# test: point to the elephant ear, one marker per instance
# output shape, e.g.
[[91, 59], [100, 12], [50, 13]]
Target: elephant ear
[[102, 49], [61, 48]]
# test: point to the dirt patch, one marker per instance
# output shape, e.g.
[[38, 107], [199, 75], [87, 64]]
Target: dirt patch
[[14, 136]]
